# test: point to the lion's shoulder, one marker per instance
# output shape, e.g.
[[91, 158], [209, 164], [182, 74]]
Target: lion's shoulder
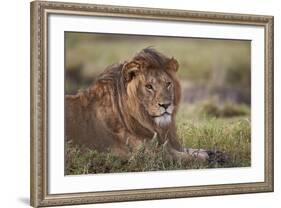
[[101, 92]]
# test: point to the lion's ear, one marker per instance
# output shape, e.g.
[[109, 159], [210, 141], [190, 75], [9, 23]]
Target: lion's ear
[[173, 64], [130, 70]]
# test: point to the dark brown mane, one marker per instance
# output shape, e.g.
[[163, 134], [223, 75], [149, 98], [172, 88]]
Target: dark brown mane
[[148, 56], [152, 58]]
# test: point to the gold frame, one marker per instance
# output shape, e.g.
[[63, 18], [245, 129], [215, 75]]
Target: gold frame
[[39, 103]]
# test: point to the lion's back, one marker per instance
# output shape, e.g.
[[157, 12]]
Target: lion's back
[[91, 117]]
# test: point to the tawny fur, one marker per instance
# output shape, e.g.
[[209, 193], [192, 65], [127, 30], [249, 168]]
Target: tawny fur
[[118, 112]]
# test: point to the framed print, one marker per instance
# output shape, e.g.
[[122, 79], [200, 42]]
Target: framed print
[[140, 103]]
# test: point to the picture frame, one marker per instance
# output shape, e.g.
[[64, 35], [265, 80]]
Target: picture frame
[[42, 71]]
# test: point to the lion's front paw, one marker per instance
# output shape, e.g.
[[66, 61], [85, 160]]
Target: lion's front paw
[[217, 157], [208, 155], [198, 153]]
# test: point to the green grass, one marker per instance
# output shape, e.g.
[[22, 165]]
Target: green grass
[[152, 157], [231, 135]]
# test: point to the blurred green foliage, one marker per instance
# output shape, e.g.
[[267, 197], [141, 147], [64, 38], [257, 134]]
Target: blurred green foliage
[[214, 63], [226, 109]]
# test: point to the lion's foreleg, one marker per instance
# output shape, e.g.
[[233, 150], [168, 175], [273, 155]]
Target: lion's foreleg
[[200, 154], [189, 154], [197, 153]]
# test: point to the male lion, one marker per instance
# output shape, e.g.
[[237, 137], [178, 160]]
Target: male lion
[[127, 104]]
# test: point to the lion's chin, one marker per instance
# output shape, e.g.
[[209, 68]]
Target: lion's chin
[[163, 121]]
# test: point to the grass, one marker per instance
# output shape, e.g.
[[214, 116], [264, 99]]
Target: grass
[[231, 135], [152, 157]]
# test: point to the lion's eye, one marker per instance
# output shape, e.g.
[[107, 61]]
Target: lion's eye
[[149, 86], [169, 84]]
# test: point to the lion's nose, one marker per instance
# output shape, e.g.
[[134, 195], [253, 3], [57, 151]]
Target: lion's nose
[[164, 105]]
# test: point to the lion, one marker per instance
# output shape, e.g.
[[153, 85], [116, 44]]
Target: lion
[[128, 104]]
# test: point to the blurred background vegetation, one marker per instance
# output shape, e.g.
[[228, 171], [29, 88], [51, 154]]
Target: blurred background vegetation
[[215, 76], [208, 67]]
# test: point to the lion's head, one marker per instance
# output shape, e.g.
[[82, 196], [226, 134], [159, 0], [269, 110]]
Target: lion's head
[[152, 89]]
